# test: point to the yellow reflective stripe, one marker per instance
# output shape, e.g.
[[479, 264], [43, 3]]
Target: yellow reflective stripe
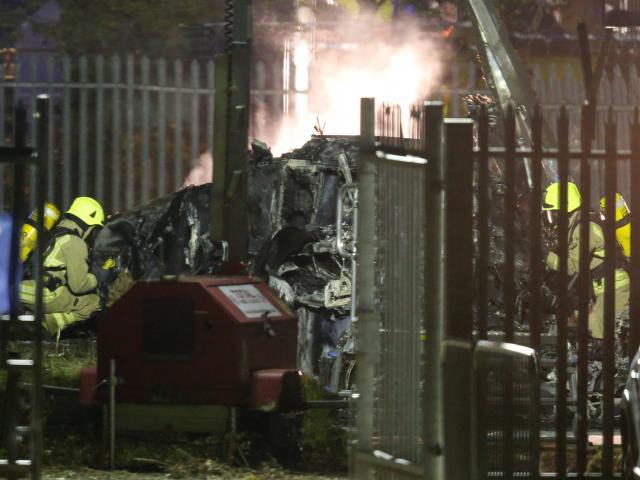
[[51, 260], [28, 294], [621, 280], [55, 322]]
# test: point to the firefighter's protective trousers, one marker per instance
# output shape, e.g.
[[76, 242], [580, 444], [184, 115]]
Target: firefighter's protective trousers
[[597, 251], [74, 299]]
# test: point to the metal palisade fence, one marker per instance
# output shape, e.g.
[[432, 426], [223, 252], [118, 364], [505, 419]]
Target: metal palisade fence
[[537, 309], [457, 233], [128, 129], [122, 129]]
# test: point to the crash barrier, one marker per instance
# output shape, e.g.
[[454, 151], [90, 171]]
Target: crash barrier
[[21, 408]]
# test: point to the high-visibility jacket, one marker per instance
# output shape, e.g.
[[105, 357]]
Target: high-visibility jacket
[[596, 246]]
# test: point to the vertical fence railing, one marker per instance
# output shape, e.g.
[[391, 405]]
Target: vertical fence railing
[[553, 309], [116, 135], [572, 286], [124, 130], [482, 226], [99, 171], [561, 293], [112, 120], [148, 172], [584, 290], [608, 371], [177, 141]]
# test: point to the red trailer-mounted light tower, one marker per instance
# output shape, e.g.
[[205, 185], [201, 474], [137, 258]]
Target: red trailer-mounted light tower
[[191, 343]]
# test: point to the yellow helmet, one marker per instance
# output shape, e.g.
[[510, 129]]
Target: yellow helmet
[[622, 210], [552, 197], [87, 210]]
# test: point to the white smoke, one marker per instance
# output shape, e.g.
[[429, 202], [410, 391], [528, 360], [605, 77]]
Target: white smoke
[[202, 172], [366, 57]]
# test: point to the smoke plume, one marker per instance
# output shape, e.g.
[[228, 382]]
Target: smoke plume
[[333, 68]]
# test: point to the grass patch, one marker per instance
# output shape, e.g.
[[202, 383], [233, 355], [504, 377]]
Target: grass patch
[[323, 434], [61, 364]]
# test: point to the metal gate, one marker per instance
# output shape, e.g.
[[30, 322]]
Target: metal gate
[[391, 308]]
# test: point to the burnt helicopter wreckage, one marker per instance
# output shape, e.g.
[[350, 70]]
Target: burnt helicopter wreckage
[[293, 241], [297, 219]]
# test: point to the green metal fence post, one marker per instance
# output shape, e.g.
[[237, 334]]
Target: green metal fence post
[[458, 135], [236, 219], [220, 125], [435, 291], [366, 328]]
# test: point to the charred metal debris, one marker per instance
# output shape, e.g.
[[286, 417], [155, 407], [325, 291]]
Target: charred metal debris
[[169, 236], [293, 203]]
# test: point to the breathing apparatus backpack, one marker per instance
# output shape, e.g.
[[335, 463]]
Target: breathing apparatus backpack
[[29, 236], [50, 281]]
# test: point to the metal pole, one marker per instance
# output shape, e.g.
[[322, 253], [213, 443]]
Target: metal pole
[[584, 291], [608, 363], [458, 146], [562, 288], [220, 123], [459, 225], [365, 330], [235, 212], [509, 288], [432, 410], [112, 413], [18, 214], [42, 117], [482, 226]]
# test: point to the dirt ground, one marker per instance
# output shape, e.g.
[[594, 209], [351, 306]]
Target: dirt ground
[[226, 473], [75, 451]]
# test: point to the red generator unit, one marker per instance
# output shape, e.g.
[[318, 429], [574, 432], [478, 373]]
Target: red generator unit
[[186, 350]]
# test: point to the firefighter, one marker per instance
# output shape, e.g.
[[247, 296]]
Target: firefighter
[[596, 266], [596, 249], [70, 288]]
